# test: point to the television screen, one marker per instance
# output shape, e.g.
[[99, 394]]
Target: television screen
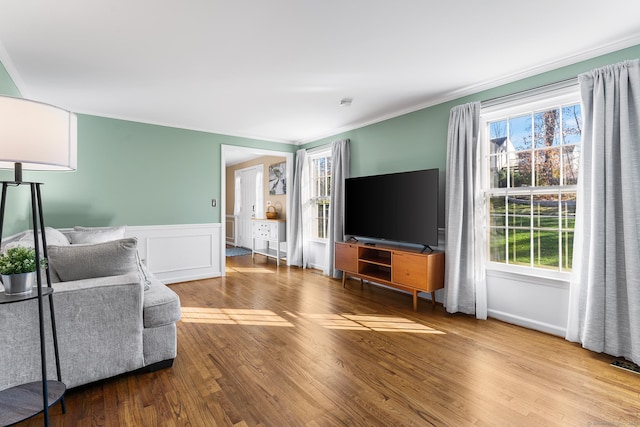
[[401, 207]]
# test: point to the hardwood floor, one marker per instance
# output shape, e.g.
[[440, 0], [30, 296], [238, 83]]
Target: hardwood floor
[[269, 346]]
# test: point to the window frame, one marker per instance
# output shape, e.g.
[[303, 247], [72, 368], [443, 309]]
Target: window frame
[[311, 201], [528, 102]]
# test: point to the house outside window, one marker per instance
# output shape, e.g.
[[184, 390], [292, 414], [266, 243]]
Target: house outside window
[[320, 188], [532, 161]]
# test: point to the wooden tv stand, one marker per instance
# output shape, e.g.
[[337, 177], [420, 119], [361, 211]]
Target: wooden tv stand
[[401, 268]]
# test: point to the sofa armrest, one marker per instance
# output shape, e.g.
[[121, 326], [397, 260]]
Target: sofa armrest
[[99, 324]]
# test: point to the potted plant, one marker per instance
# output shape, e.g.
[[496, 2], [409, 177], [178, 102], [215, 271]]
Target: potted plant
[[17, 269]]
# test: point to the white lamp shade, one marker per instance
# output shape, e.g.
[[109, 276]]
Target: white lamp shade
[[40, 136]]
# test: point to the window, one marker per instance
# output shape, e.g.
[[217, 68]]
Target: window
[[320, 188], [532, 163]]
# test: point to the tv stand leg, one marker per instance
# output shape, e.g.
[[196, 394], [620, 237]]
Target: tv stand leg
[[415, 300], [433, 298], [344, 279]]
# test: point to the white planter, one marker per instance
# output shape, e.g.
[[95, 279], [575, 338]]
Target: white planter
[[18, 284]]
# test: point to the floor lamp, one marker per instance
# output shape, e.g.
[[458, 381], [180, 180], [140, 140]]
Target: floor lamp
[[34, 136]]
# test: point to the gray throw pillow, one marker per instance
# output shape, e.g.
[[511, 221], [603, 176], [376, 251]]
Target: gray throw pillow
[[77, 262]]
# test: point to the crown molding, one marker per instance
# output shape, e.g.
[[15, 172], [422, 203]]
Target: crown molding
[[491, 84]]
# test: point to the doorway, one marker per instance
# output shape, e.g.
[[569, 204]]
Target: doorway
[[229, 155]]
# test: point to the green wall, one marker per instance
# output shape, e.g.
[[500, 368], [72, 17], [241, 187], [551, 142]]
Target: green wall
[[419, 140], [7, 87], [139, 174], [129, 173]]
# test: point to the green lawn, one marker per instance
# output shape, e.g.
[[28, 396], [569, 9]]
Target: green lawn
[[541, 240]]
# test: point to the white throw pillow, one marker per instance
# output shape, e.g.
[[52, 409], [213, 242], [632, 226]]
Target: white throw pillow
[[93, 235], [54, 238]]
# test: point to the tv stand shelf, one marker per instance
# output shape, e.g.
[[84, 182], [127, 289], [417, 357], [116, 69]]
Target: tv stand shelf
[[402, 268]]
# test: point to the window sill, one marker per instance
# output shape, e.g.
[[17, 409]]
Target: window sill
[[322, 241], [528, 273]]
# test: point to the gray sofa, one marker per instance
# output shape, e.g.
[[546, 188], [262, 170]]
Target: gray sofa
[[112, 315]]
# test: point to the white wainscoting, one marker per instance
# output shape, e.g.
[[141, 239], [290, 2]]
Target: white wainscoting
[[537, 303], [174, 253], [178, 253]]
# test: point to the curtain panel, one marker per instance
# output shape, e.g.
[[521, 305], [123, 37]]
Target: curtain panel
[[604, 300], [296, 229], [465, 286], [335, 231]]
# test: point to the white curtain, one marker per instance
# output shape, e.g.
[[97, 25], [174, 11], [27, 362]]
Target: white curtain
[[335, 231], [465, 285], [296, 220], [604, 306]]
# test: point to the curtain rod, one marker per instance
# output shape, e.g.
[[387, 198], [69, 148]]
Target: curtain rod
[[528, 92]]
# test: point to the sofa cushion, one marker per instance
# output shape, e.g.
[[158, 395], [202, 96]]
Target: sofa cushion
[[161, 305], [77, 262], [92, 235]]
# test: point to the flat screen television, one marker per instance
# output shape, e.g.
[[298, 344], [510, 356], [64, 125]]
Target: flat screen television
[[400, 207]]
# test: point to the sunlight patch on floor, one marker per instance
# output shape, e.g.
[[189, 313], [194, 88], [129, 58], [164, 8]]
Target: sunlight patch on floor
[[333, 321], [255, 317], [233, 316], [370, 323]]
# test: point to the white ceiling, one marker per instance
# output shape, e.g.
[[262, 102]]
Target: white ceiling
[[278, 69]]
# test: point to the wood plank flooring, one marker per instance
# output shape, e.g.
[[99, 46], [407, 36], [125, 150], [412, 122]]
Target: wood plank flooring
[[269, 346]]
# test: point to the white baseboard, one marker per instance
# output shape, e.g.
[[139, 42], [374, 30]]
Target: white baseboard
[[527, 323]]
